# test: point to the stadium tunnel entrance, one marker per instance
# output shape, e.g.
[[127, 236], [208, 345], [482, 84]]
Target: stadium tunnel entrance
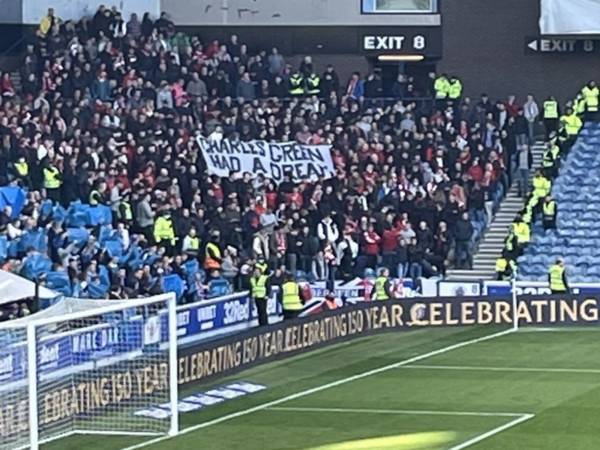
[[417, 71]]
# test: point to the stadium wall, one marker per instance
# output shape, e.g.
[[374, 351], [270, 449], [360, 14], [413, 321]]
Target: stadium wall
[[486, 42]]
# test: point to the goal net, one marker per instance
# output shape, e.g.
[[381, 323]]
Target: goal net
[[86, 367]]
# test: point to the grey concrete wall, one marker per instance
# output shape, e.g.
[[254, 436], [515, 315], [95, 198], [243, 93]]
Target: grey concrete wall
[[484, 42], [283, 12], [11, 11]]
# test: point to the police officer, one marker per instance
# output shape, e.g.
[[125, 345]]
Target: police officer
[[164, 232], [313, 83], [258, 290], [455, 90], [549, 213], [591, 94], [191, 243], [557, 278], [551, 115], [441, 86], [296, 84], [505, 266], [383, 289], [290, 297]]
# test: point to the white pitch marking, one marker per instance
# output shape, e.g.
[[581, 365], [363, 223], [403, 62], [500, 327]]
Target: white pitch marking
[[396, 411], [497, 430], [502, 369], [321, 388]]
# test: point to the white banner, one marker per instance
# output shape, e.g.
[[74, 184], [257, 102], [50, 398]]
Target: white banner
[[570, 17], [273, 160], [152, 330]]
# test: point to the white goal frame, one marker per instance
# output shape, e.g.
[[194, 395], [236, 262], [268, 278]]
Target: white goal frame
[[32, 376]]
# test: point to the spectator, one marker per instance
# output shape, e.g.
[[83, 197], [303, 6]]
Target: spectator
[[196, 87], [47, 23], [327, 230], [356, 87], [330, 82], [134, 27], [115, 120], [373, 86], [524, 164], [100, 89], [532, 112], [276, 62], [347, 252], [463, 232], [245, 89]]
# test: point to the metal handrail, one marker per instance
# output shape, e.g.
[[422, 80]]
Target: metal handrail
[[18, 42]]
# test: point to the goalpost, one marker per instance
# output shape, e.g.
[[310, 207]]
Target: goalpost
[[87, 367]]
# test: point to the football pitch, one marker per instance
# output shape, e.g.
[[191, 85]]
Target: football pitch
[[454, 388]]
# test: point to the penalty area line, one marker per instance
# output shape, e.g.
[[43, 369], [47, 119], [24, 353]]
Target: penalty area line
[[320, 388], [495, 431], [518, 418]]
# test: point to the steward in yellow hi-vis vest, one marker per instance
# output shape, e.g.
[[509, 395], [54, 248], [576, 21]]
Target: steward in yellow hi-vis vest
[[505, 267], [383, 289], [164, 232], [549, 212], [258, 291], [551, 115], [571, 123], [557, 277], [522, 232], [52, 182], [591, 94], [291, 299]]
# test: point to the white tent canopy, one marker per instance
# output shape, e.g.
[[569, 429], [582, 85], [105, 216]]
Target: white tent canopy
[[64, 307], [14, 287]]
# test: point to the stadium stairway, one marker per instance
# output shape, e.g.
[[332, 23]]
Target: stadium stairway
[[16, 80], [577, 236], [492, 243]]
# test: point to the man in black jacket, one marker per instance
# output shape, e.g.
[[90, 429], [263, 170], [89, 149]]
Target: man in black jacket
[[330, 82], [463, 230]]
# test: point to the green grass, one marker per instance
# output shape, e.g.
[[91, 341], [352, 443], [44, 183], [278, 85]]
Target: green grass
[[518, 373]]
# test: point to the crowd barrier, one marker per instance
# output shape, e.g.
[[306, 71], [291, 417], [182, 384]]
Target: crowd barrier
[[241, 351], [499, 288], [228, 317]]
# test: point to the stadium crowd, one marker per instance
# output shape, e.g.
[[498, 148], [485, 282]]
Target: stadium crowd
[[108, 113]]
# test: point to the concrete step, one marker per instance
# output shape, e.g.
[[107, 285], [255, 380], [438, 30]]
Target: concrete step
[[487, 251], [491, 245]]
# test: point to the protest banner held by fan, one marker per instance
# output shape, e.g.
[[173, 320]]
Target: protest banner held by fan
[[273, 160]]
